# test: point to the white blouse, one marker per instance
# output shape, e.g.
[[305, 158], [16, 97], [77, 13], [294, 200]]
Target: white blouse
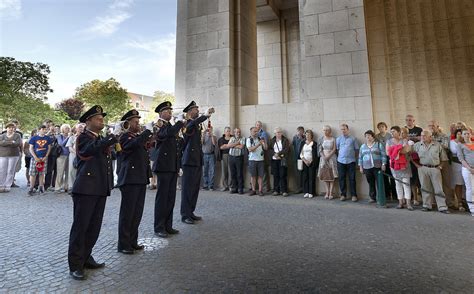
[[307, 152]]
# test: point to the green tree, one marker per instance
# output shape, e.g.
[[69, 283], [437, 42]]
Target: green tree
[[72, 107], [17, 77], [158, 97], [108, 94], [23, 90]]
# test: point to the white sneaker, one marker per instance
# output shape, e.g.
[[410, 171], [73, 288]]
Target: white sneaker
[[310, 196], [306, 195]]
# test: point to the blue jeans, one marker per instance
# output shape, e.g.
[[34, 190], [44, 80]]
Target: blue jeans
[[343, 170], [208, 170]]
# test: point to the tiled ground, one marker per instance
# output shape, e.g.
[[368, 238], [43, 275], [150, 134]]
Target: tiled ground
[[244, 244]]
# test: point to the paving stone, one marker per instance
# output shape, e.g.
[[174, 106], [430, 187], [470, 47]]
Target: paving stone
[[244, 244]]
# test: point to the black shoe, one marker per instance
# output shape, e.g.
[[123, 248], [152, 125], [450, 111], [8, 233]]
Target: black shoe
[[205, 188], [233, 191], [126, 251], [162, 234], [138, 247], [241, 192], [92, 264], [78, 275], [445, 211], [31, 192], [425, 209], [14, 186], [196, 217], [41, 190], [172, 231], [187, 220]]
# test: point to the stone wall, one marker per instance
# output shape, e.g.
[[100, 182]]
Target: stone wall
[[323, 70], [421, 60]]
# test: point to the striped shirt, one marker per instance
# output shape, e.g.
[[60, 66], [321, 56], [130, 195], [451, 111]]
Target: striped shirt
[[236, 151]]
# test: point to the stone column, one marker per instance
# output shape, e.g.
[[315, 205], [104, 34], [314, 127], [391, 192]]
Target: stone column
[[334, 62], [216, 56]]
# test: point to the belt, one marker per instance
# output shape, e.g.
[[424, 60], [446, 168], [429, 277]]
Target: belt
[[430, 166]]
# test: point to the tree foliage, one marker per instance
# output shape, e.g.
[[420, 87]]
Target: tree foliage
[[108, 94], [161, 96], [23, 89], [72, 107], [17, 77], [158, 97]]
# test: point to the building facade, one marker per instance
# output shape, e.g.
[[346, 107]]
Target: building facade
[[325, 62]]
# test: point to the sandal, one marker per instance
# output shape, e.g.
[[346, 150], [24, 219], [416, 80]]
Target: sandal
[[331, 197], [326, 197]]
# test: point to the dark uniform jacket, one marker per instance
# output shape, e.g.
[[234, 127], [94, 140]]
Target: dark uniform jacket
[[94, 168], [192, 153], [167, 157], [134, 159]]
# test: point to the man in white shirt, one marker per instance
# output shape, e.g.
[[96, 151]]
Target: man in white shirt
[[256, 147]]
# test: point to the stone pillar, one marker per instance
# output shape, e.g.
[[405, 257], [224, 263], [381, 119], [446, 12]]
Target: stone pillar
[[216, 55], [421, 60], [334, 62]]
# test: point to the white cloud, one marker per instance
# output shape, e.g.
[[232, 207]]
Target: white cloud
[[140, 66], [10, 9], [109, 22]]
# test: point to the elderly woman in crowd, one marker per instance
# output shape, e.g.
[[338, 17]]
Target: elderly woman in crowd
[[455, 168], [309, 155], [372, 159], [397, 149], [465, 154], [10, 144], [62, 161], [71, 145], [281, 150], [327, 171]]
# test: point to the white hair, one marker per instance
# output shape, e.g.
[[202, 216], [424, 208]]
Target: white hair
[[63, 126]]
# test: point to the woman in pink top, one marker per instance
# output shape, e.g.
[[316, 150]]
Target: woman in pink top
[[397, 149]]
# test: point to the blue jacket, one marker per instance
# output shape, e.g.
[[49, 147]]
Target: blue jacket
[[134, 161], [94, 170], [192, 153], [167, 152]]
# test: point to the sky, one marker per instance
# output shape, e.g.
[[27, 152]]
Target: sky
[[132, 41]]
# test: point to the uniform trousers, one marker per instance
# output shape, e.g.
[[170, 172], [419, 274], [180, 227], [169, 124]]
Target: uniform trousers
[[131, 211], [190, 189], [88, 214], [165, 199]]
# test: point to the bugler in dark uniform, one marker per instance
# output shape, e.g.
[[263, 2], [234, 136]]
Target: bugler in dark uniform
[[192, 162], [166, 167], [133, 176], [93, 183]]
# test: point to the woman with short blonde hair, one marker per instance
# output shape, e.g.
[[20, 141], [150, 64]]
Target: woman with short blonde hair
[[62, 162]]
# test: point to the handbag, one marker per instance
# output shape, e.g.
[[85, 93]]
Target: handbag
[[300, 164], [326, 173], [283, 161]]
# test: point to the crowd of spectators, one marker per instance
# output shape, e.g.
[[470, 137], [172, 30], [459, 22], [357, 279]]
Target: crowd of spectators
[[421, 167]]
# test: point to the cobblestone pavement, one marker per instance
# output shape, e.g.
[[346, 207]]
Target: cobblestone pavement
[[244, 244]]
